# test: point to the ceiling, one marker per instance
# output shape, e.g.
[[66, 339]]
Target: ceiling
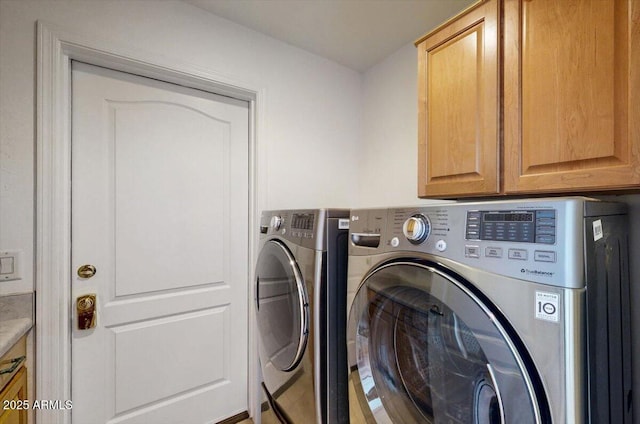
[[355, 33]]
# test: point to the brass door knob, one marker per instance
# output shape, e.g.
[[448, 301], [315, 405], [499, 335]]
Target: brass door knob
[[86, 271]]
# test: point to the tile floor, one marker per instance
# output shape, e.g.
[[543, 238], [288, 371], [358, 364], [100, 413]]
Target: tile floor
[[297, 401], [355, 416]]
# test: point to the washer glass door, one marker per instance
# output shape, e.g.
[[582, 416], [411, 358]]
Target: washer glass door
[[282, 307], [429, 350]]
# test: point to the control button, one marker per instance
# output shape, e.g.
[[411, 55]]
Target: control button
[[395, 242], [473, 225], [546, 214], [546, 239], [276, 222], [544, 256], [547, 231], [472, 237], [546, 221], [417, 228], [473, 216], [441, 245], [493, 252], [520, 254], [472, 251]]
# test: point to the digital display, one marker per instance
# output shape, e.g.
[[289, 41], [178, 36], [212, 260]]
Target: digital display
[[303, 221], [526, 226], [508, 217]]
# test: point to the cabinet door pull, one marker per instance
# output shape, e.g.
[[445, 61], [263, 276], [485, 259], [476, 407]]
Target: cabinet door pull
[[15, 363]]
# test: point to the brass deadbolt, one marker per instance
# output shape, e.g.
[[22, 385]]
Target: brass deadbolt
[[86, 310], [86, 271]]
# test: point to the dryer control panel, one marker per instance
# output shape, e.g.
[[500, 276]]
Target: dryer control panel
[[302, 227], [298, 226]]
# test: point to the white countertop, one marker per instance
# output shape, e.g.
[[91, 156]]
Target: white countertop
[[10, 332]]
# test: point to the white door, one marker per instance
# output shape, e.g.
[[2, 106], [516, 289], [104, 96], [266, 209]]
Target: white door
[[160, 209]]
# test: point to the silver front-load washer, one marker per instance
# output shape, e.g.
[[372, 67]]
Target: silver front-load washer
[[490, 312], [300, 304]]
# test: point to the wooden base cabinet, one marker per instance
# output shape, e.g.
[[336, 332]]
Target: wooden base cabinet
[[13, 410], [569, 115], [14, 403]]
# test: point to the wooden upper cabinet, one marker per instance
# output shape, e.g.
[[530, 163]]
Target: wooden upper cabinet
[[553, 107], [458, 95], [571, 95]]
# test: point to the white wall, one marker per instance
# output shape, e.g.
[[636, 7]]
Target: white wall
[[311, 109], [388, 155]]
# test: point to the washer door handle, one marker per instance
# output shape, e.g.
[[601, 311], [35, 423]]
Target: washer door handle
[[257, 293]]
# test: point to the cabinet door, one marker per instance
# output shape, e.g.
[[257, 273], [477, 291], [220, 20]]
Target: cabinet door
[[13, 409], [571, 90], [458, 104]]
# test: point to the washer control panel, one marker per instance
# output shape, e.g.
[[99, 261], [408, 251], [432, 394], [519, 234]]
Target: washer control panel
[[539, 240]]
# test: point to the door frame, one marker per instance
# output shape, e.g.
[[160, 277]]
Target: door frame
[[56, 48]]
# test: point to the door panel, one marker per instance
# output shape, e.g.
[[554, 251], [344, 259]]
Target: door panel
[[159, 175], [150, 212], [138, 386]]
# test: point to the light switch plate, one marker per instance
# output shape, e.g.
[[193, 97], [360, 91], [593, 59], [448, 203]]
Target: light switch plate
[[10, 261]]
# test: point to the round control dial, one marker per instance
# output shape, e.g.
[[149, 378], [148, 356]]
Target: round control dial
[[276, 222], [417, 228]]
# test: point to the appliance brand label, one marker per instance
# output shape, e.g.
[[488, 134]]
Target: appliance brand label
[[537, 272], [547, 306]]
